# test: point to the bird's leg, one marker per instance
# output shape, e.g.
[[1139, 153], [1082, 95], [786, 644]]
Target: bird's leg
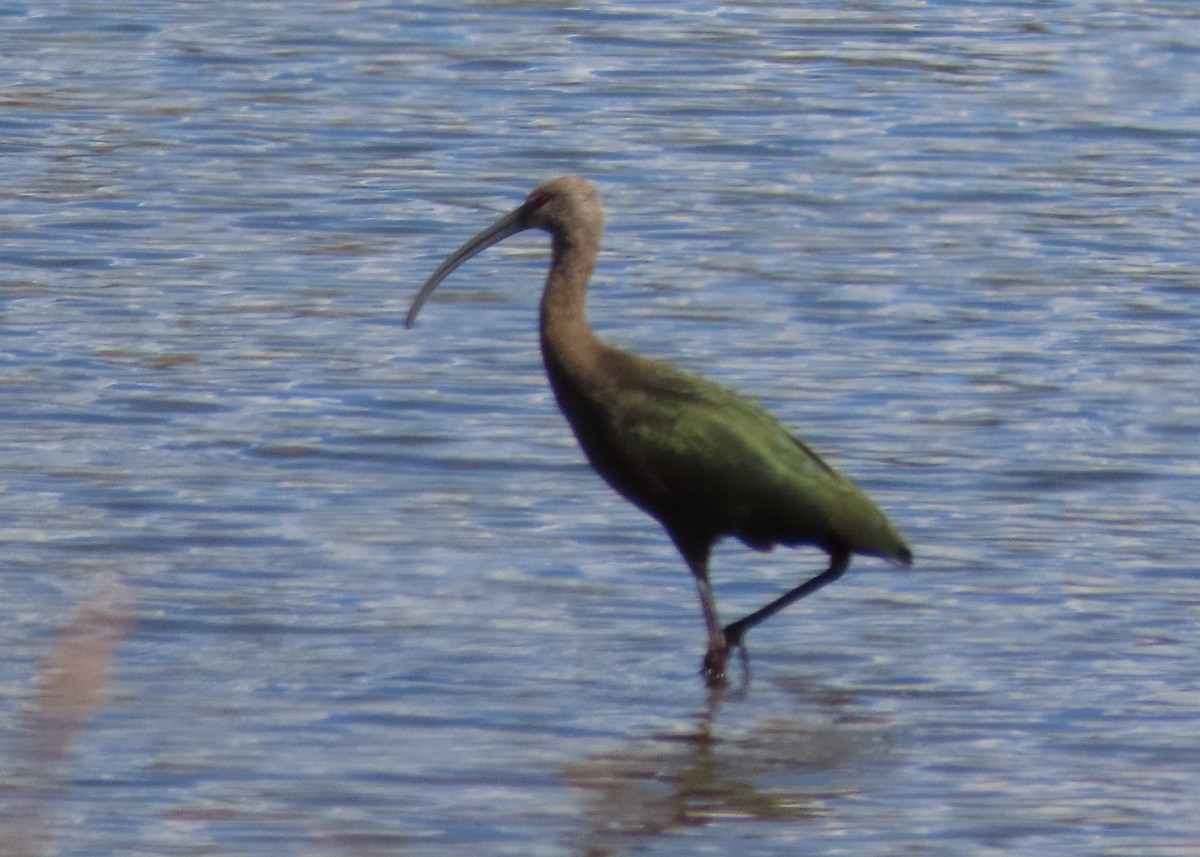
[[718, 651], [735, 631], [696, 551]]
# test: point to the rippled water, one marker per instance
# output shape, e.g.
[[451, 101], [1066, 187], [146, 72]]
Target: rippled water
[[280, 577]]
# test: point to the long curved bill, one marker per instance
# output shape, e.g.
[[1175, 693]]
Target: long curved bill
[[509, 224]]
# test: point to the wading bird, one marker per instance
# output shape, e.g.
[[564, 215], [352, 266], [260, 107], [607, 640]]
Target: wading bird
[[697, 457]]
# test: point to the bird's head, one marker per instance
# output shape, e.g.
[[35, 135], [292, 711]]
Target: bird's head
[[567, 207]]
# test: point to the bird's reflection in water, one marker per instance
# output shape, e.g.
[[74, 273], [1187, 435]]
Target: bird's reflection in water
[[779, 770]]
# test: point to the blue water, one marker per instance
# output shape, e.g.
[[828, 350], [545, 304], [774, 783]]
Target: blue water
[[376, 601]]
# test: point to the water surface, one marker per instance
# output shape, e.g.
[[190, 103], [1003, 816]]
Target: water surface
[[280, 577]]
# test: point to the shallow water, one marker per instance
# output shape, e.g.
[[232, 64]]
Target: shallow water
[[358, 591]]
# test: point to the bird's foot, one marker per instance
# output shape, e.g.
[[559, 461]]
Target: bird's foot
[[713, 667], [715, 659]]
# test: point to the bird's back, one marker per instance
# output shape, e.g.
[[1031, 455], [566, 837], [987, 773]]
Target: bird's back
[[695, 454]]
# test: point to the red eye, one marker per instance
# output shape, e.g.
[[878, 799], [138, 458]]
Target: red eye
[[537, 199]]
